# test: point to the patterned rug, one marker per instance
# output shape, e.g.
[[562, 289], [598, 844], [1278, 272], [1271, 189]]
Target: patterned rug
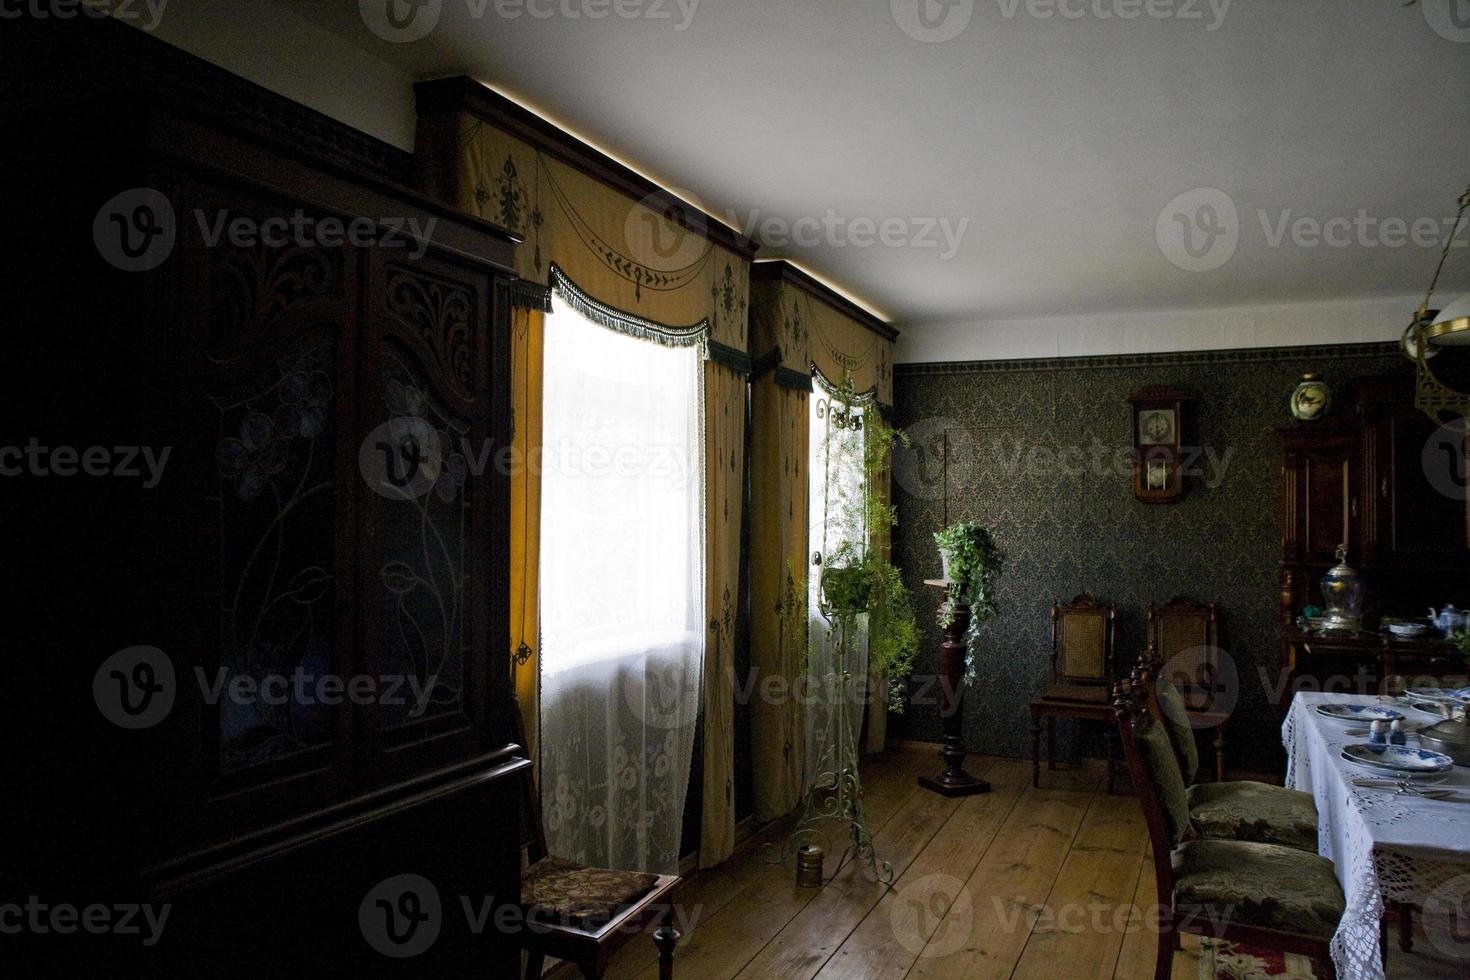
[[1237, 961]]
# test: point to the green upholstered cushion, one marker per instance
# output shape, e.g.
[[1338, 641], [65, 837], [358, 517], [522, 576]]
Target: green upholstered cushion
[[1258, 885], [1181, 732], [1163, 773], [1254, 811]]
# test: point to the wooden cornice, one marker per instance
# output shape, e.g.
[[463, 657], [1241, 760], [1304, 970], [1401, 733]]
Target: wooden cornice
[[780, 270], [462, 93]]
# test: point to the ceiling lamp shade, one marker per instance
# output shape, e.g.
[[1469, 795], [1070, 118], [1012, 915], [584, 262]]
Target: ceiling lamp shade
[[1451, 327]]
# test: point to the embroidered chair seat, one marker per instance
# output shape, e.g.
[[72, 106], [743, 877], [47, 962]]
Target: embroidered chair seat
[[562, 891], [1259, 885], [1250, 811]]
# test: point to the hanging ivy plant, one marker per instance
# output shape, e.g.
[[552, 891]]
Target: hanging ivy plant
[[973, 563], [859, 578]]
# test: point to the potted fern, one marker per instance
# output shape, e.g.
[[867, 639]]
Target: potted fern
[[972, 565]]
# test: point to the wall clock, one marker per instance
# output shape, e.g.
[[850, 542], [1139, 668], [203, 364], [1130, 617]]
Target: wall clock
[[1158, 418]]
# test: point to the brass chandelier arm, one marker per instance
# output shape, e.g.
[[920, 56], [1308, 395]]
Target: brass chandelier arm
[[1444, 253], [1432, 396]]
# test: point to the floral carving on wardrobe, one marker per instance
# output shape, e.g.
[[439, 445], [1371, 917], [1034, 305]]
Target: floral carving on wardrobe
[[274, 451], [423, 609]]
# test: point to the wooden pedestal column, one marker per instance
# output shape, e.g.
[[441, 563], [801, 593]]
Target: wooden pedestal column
[[953, 781]]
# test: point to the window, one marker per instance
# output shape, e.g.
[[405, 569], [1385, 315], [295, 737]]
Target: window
[[622, 591]]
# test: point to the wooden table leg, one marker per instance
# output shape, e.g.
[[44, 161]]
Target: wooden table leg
[[1051, 743]]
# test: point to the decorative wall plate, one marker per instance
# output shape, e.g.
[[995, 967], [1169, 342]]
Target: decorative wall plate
[[1311, 399]]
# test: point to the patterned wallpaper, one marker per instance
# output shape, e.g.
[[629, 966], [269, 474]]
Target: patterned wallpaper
[[1031, 449]]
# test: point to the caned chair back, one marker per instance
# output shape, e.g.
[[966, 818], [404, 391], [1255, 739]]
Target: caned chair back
[[1082, 634], [1183, 635]]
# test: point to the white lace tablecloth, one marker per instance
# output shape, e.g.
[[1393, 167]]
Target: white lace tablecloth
[[1387, 848]]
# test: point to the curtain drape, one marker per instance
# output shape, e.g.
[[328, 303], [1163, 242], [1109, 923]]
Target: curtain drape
[[796, 326], [627, 253], [725, 392], [622, 590], [527, 333], [778, 593]]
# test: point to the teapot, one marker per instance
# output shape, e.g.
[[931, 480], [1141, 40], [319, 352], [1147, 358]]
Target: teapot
[[1449, 619]]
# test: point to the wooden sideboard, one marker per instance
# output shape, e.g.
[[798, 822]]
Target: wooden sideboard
[[1358, 476], [269, 367]]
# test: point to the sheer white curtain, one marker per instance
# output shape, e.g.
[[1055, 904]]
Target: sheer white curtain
[[836, 513], [622, 592]]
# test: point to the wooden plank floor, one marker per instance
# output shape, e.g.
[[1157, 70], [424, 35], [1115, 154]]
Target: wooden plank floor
[[1020, 883]]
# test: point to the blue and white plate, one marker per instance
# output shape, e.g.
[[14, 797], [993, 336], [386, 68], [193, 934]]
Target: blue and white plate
[[1438, 693], [1358, 712], [1397, 758]]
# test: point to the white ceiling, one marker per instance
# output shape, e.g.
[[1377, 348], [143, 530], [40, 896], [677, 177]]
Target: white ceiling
[[1060, 140]]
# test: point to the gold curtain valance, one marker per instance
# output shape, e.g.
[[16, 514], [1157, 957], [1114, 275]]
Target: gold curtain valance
[[814, 329], [628, 244]]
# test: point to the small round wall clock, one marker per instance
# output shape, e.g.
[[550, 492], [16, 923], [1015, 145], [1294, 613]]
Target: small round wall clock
[[1311, 399]]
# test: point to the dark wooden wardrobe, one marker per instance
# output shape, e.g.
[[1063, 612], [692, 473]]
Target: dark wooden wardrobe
[[280, 373]]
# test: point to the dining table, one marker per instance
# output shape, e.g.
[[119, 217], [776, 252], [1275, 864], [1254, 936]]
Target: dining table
[[1390, 846]]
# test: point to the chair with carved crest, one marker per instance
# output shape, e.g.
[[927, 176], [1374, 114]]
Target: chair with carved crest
[[1183, 636], [1083, 632], [579, 914], [1261, 894]]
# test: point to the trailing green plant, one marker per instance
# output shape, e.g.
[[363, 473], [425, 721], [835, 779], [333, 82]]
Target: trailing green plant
[[859, 578], [973, 561]]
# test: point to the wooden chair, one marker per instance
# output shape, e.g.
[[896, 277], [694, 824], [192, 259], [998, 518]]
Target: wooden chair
[[1082, 636], [1259, 894], [1239, 810], [1184, 636], [581, 914]]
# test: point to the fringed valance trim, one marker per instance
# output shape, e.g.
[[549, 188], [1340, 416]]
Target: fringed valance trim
[[527, 295], [795, 380], [627, 323], [731, 357], [843, 389]]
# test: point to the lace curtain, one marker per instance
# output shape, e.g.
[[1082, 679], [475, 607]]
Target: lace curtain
[[622, 591], [836, 512]]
